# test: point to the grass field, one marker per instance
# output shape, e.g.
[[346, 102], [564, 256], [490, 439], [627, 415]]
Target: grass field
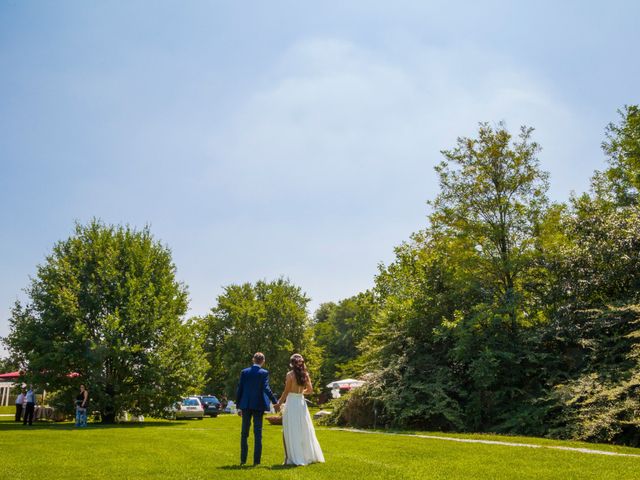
[[209, 449]]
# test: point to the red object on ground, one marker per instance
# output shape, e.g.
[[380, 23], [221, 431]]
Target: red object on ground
[[18, 374]]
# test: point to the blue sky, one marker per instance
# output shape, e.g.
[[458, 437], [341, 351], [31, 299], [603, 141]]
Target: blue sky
[[261, 139]]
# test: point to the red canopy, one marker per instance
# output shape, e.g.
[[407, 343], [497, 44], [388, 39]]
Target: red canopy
[[16, 375]]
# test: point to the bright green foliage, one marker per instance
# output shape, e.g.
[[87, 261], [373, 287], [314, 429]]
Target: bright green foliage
[[447, 346], [600, 260], [413, 378], [106, 305], [621, 181], [338, 330], [8, 364], [492, 199], [488, 219], [596, 328], [510, 314], [268, 317], [600, 401]]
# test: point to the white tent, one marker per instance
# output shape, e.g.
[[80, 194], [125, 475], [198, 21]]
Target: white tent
[[5, 391], [347, 382]]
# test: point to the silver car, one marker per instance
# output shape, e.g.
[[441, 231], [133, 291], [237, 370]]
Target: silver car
[[189, 407]]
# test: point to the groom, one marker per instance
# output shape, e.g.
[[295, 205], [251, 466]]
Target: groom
[[253, 397]]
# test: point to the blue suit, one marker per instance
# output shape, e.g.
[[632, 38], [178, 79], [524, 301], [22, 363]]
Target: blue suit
[[253, 397]]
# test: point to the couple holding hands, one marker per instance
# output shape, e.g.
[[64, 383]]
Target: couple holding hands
[[253, 398]]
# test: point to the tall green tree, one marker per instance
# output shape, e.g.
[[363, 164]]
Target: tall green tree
[[449, 343], [106, 305], [493, 197], [270, 317]]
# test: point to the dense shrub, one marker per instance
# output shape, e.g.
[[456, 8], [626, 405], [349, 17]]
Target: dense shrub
[[602, 403], [354, 409]]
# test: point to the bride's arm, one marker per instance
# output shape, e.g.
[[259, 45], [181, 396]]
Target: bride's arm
[[308, 388], [287, 389]]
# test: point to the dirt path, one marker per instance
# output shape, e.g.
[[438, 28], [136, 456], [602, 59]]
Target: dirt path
[[493, 442]]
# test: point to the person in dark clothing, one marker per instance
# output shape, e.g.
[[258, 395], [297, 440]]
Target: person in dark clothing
[[31, 406], [82, 403], [253, 397], [19, 401]]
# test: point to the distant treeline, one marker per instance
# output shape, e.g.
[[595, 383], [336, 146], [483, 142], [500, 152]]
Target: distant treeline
[[506, 313]]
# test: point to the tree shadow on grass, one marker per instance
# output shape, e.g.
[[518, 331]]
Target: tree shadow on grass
[[278, 466], [5, 426]]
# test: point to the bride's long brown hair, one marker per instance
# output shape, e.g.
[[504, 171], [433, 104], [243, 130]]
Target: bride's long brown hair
[[296, 363]]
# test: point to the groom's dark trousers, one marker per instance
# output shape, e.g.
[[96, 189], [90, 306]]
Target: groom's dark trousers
[[247, 417]]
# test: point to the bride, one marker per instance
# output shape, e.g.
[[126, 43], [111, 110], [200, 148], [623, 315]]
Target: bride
[[301, 446]]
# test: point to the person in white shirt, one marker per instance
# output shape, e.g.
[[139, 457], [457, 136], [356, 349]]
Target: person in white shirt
[[19, 401], [31, 406]]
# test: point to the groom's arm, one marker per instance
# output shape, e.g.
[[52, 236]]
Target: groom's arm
[[239, 390], [267, 389]]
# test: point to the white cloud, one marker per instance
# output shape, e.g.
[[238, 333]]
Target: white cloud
[[330, 162], [336, 118]]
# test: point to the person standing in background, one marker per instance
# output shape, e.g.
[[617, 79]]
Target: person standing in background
[[19, 401], [31, 405], [82, 402]]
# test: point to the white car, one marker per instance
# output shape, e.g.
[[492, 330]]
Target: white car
[[189, 407]]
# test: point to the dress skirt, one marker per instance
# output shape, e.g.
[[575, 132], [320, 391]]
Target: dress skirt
[[300, 442]]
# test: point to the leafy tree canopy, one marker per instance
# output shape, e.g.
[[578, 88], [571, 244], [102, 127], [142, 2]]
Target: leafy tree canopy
[[621, 181], [106, 305], [269, 317]]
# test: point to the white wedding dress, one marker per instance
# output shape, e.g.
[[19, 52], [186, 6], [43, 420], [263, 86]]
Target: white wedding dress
[[300, 443]]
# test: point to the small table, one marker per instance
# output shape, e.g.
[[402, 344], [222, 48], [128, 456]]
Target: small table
[[47, 413]]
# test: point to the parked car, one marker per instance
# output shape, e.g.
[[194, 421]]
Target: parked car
[[189, 407], [211, 404]]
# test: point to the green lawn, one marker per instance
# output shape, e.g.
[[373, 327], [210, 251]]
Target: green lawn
[[209, 449]]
